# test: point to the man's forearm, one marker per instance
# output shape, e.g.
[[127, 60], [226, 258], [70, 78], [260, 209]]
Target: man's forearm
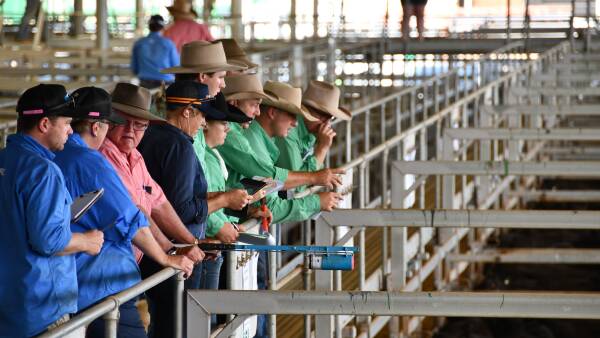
[[169, 223], [216, 202], [147, 243], [160, 237], [77, 244], [298, 178]]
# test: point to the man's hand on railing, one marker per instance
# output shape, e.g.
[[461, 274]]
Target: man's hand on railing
[[328, 177], [329, 200], [192, 252], [227, 234], [182, 263]]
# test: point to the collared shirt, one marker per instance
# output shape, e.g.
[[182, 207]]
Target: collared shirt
[[296, 151], [114, 214], [183, 31], [144, 191], [243, 161], [216, 182], [37, 286], [283, 210], [169, 155], [151, 54]]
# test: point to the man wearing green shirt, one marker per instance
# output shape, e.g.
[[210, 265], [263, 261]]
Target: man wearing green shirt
[[306, 146], [251, 152]]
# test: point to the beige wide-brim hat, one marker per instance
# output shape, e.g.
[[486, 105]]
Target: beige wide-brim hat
[[182, 9], [235, 54], [133, 100], [287, 98], [244, 87], [325, 97], [202, 57]]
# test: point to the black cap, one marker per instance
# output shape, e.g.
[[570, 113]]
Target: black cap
[[183, 93], [46, 100], [157, 19], [95, 103], [232, 113]]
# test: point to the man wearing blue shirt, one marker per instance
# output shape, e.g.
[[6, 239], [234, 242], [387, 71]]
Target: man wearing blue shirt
[[153, 53], [38, 277], [115, 215]]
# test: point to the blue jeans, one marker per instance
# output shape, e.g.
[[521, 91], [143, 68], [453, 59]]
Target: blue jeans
[[130, 324]]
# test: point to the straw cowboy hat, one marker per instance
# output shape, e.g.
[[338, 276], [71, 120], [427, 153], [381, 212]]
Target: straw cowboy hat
[[235, 54], [133, 100], [325, 97], [202, 57], [182, 9], [286, 98], [244, 87]]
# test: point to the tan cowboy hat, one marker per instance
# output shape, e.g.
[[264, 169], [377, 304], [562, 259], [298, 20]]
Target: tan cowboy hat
[[133, 100], [235, 54], [287, 98], [244, 87], [202, 57], [325, 97], [182, 9]]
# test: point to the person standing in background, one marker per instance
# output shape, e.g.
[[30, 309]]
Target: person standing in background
[[153, 53], [410, 8], [184, 28]]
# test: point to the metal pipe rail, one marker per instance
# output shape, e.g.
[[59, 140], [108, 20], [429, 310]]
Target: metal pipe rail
[[558, 109], [540, 134], [442, 218], [504, 168], [203, 303], [530, 256], [112, 303]]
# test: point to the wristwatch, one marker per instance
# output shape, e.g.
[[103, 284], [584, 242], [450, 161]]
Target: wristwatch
[[172, 251]]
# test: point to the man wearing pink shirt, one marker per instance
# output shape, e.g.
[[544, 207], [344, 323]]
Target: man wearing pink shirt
[[185, 29]]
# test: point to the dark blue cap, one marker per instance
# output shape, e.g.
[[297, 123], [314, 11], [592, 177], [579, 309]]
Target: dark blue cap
[[46, 100], [183, 93]]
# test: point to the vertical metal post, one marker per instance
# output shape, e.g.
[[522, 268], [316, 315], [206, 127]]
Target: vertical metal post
[[331, 58], [198, 320], [323, 279], [179, 290], [237, 28], [292, 20], [101, 24], [139, 17], [77, 18], [397, 276], [111, 321], [348, 141], [315, 19], [297, 66], [307, 274], [508, 28], [273, 280]]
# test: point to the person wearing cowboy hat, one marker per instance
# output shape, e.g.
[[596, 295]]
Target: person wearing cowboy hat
[[236, 55], [38, 247], [306, 145], [185, 28], [205, 63], [122, 223]]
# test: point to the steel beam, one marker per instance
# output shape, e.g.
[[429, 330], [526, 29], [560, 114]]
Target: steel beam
[[564, 168], [539, 134], [560, 109], [569, 305], [441, 218], [531, 256], [555, 91], [581, 196]]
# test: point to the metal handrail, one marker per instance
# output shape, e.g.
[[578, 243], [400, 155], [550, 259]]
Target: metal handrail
[[111, 304]]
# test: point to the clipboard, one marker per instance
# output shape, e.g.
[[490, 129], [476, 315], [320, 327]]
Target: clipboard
[[83, 203]]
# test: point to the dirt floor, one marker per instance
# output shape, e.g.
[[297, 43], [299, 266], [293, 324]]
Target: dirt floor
[[536, 277]]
